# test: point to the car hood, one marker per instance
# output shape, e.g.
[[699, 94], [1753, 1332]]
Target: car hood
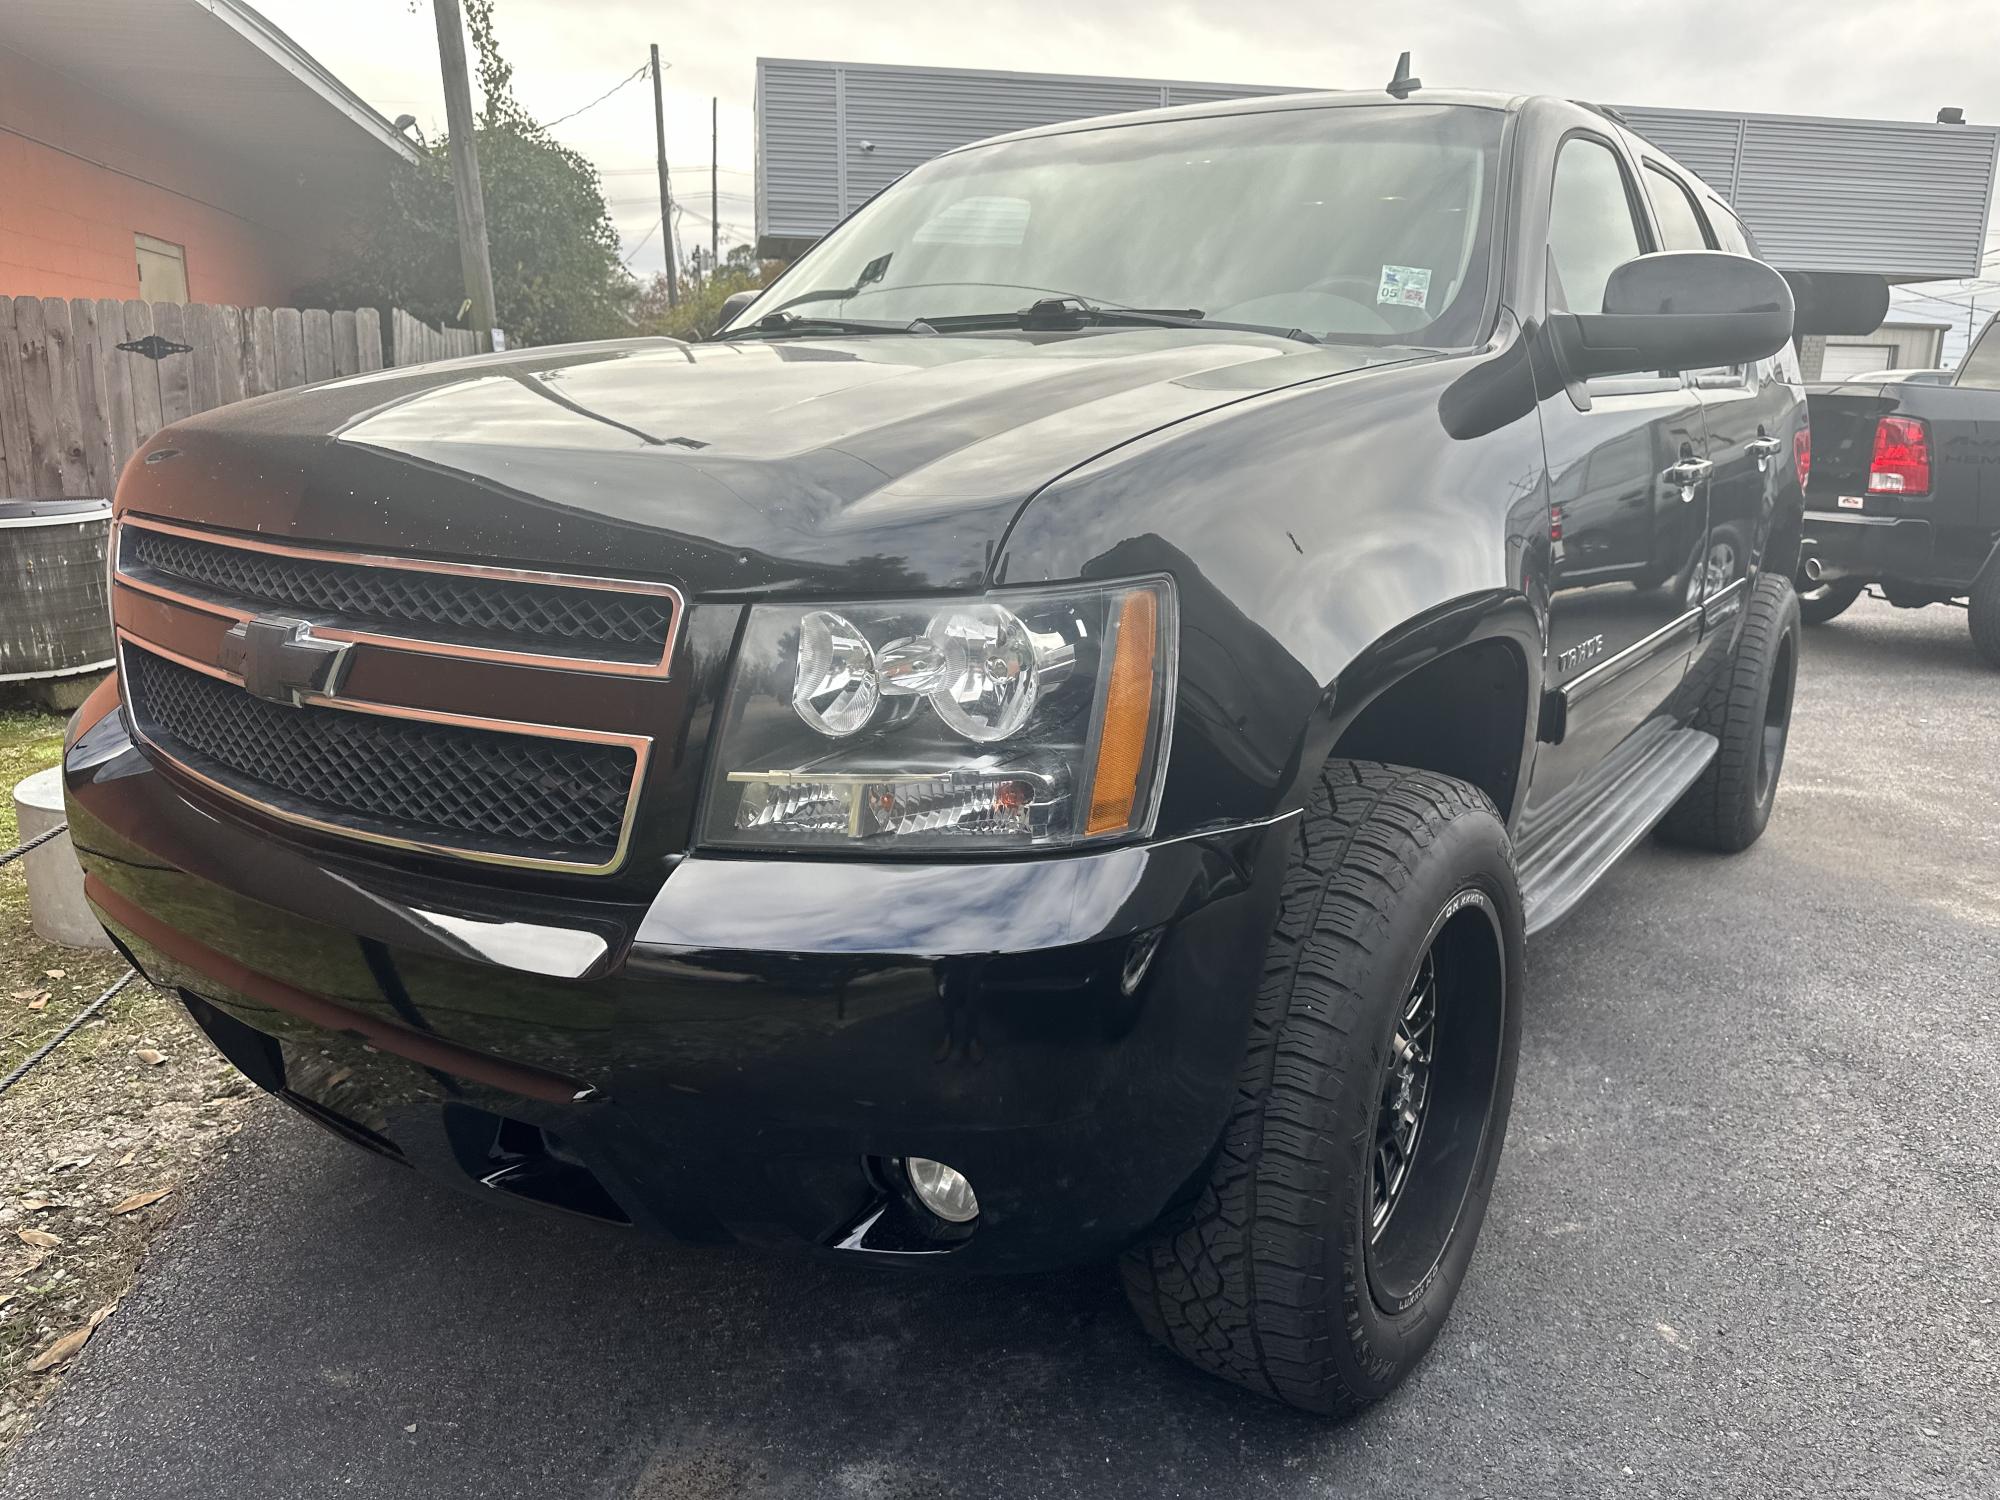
[[870, 464]]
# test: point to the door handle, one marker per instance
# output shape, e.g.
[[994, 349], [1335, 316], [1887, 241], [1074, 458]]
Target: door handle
[[1688, 473], [1764, 447]]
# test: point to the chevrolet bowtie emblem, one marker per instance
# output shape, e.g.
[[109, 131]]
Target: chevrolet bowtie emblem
[[282, 660]]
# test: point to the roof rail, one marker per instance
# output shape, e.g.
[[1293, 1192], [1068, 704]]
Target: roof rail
[[1602, 109]]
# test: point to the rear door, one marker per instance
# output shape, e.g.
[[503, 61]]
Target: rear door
[[1753, 413], [1628, 494]]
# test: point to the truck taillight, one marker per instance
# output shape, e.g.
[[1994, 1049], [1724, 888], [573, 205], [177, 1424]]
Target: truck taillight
[[1902, 461], [1802, 454]]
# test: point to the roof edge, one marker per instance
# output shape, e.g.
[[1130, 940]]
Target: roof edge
[[307, 69]]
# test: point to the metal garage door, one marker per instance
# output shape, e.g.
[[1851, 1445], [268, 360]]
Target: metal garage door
[[1844, 360]]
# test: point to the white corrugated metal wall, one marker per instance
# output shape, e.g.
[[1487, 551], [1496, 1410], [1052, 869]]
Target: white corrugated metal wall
[[1900, 198], [1905, 200], [832, 135]]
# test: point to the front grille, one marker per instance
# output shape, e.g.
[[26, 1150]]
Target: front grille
[[409, 600], [512, 796]]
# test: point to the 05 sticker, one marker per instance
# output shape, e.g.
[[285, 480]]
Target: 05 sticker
[[1404, 286]]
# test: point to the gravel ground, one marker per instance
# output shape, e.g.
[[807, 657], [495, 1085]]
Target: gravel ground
[[1745, 1242]]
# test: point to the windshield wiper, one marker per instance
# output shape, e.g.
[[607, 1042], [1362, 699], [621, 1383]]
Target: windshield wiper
[[778, 324], [1075, 312]]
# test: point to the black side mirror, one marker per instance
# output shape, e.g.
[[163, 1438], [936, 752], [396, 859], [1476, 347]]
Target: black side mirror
[[735, 302], [1849, 302], [1678, 310]]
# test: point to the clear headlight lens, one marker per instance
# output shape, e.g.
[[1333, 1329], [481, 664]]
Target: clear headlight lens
[[1017, 719]]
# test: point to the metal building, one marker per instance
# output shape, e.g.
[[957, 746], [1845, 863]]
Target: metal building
[[1903, 200]]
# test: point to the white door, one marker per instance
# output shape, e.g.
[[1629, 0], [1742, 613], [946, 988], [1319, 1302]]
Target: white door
[[1845, 360]]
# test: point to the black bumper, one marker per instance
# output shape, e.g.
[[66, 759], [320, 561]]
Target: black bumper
[[1871, 548], [740, 1058]]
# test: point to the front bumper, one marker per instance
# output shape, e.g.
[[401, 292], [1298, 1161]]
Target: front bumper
[[740, 1057]]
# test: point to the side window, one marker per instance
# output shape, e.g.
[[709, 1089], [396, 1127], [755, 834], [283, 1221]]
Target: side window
[[1674, 207], [1732, 236], [1591, 228]]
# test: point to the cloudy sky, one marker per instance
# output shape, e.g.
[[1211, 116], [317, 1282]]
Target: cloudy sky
[[1888, 59]]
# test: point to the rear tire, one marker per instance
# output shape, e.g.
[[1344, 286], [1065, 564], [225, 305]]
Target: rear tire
[[1982, 613], [1749, 709], [1323, 1254], [1819, 604]]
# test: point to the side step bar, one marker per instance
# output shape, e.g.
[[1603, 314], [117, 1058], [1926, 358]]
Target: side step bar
[[1596, 825]]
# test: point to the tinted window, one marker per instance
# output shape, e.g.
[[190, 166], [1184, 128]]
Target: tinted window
[[1591, 228], [1982, 364], [1730, 234], [1368, 223], [1680, 221]]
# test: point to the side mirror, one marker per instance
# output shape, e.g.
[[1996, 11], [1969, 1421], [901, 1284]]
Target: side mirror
[[735, 302], [1847, 302], [1678, 310]]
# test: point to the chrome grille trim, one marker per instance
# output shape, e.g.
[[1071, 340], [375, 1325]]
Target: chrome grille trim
[[403, 639], [639, 745]]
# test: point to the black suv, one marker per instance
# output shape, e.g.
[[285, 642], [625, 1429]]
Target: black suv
[[1043, 742]]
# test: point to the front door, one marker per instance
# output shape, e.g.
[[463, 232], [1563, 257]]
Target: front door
[[1628, 500]]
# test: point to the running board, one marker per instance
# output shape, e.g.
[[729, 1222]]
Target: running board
[[1599, 824]]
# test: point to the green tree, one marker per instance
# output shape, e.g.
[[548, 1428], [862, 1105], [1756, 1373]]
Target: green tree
[[702, 296], [556, 271]]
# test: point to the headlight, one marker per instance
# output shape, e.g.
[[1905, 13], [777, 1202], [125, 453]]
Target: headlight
[[1011, 720]]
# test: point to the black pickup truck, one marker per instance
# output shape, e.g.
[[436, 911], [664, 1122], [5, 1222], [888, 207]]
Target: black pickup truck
[[1904, 494], [1043, 742]]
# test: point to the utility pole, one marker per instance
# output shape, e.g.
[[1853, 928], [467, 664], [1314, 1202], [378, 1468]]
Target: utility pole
[[666, 187], [472, 257], [714, 198]]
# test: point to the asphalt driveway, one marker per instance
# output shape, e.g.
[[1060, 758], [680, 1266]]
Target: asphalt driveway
[[1746, 1241]]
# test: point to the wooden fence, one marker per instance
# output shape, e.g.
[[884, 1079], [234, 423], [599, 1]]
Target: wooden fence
[[413, 341], [75, 404]]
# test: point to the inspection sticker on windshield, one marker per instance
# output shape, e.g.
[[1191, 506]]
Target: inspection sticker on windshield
[[1405, 286]]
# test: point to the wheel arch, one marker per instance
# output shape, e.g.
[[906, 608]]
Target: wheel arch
[[1453, 691]]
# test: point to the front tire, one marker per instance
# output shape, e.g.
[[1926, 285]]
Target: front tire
[[1822, 602], [1749, 709], [1349, 1187]]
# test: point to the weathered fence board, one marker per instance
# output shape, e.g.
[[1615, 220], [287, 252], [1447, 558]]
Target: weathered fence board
[[145, 375], [75, 406], [368, 326], [16, 467], [317, 331], [114, 382], [65, 381]]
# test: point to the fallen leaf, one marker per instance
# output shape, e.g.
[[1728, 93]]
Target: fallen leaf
[[138, 1201], [55, 973], [40, 1002], [133, 1155], [150, 1057], [77, 1165], [41, 1239], [28, 994], [21, 1273], [61, 1351], [339, 1078], [33, 1205]]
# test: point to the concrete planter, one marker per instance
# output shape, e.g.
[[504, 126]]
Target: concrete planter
[[55, 881]]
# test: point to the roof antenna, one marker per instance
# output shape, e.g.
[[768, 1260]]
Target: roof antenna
[[1403, 85]]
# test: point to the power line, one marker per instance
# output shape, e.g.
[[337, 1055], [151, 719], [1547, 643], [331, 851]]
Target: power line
[[632, 77], [655, 229]]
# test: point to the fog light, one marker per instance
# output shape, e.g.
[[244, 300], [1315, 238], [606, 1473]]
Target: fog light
[[942, 1190]]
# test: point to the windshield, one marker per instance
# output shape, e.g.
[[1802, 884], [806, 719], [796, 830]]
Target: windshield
[[1358, 223]]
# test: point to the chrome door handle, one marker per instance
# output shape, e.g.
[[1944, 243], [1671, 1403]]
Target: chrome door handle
[[1688, 473], [1764, 447]]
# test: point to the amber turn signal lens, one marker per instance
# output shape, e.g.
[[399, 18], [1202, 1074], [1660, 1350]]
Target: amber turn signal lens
[[1128, 713]]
